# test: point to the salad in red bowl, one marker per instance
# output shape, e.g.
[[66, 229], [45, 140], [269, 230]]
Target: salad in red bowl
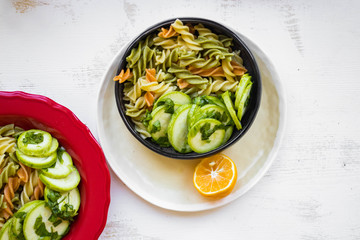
[[54, 181]]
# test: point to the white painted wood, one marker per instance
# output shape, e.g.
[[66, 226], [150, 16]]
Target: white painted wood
[[61, 48]]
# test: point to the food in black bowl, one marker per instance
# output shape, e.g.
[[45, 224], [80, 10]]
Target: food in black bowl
[[188, 88]]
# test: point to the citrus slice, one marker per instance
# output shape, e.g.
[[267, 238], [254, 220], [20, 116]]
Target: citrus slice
[[215, 176]]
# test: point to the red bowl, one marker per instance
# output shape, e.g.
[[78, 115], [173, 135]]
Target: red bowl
[[35, 111]]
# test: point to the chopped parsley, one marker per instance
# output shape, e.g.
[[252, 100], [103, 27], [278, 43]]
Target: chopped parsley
[[67, 211], [156, 127], [33, 138], [169, 105], [146, 118]]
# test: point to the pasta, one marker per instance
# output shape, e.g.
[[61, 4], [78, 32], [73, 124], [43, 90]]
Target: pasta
[[19, 184], [183, 57]]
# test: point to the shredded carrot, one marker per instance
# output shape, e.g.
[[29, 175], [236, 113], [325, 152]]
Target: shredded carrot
[[149, 99], [123, 76], [165, 33], [150, 75], [182, 83]]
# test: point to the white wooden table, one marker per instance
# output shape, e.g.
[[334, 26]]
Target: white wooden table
[[60, 49]]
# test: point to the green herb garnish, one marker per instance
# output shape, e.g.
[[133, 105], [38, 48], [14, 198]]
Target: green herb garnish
[[146, 118], [67, 211], [156, 127], [33, 138], [41, 230], [169, 105]]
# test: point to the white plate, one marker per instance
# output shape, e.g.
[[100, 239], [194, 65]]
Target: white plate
[[167, 182]]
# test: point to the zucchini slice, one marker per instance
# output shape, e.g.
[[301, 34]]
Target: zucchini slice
[[36, 162], [193, 115], [216, 112], [179, 98], [159, 124], [37, 224], [228, 132], [206, 135], [178, 129], [34, 142], [244, 82], [215, 100], [16, 229], [6, 230], [62, 168], [63, 200], [230, 108], [62, 184], [244, 101]]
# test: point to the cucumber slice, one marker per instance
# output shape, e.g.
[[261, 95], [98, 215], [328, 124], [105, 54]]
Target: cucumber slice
[[244, 101], [193, 115], [36, 162], [38, 220], [5, 230], [206, 135], [215, 100], [228, 132], [159, 124], [62, 168], [34, 142], [179, 98], [230, 108], [63, 201], [54, 146], [62, 184], [16, 229], [178, 129], [244, 81], [216, 112]]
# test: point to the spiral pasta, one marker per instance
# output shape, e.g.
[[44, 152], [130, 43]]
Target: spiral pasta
[[33, 189]]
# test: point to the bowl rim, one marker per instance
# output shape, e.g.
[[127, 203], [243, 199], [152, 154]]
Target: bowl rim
[[54, 106], [175, 155]]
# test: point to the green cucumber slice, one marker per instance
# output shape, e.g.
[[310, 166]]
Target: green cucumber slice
[[62, 168], [54, 146], [244, 101], [193, 115], [179, 98], [62, 184], [36, 162], [230, 108], [5, 230], [244, 81], [34, 142], [65, 202], [228, 132], [16, 229], [37, 224], [178, 129], [206, 135], [216, 112], [159, 124], [215, 100]]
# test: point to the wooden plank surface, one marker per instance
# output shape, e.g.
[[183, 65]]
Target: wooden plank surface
[[60, 49]]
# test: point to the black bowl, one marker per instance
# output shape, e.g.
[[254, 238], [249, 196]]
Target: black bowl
[[249, 63]]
